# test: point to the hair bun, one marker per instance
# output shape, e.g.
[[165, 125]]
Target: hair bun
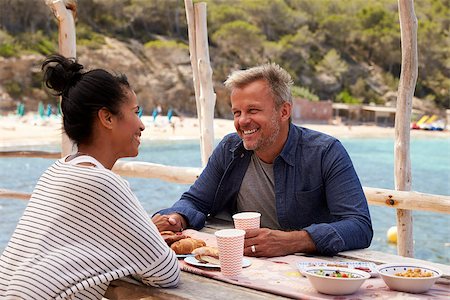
[[61, 73]]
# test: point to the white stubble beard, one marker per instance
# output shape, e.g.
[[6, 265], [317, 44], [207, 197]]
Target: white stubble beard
[[262, 143]]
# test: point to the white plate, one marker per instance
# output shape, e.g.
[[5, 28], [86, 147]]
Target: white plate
[[350, 264], [184, 255], [193, 261]]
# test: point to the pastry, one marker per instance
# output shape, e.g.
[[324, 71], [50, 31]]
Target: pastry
[[207, 255], [187, 245], [171, 237]]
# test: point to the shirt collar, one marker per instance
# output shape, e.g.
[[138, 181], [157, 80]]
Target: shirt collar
[[289, 149], [238, 149]]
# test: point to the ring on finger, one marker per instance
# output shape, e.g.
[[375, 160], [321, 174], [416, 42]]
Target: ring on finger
[[253, 248]]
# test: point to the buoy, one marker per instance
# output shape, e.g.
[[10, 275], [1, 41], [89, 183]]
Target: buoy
[[392, 235]]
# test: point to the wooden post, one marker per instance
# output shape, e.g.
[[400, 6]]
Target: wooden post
[[207, 97], [402, 161], [65, 11], [204, 94]]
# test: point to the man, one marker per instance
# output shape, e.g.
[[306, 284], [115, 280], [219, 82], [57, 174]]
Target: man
[[301, 181]]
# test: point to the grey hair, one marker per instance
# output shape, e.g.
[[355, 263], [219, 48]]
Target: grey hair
[[279, 81]]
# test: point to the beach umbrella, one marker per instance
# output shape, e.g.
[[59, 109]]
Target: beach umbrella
[[49, 110], [41, 109], [21, 109], [170, 114]]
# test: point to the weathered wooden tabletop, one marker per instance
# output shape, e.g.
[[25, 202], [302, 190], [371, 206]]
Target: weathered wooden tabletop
[[194, 286]]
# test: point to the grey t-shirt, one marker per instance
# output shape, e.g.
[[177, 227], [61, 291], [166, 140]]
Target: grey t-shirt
[[257, 192]]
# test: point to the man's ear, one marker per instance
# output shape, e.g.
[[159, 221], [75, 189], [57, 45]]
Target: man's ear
[[285, 110], [105, 117]]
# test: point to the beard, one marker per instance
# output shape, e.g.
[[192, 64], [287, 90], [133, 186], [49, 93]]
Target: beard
[[262, 142]]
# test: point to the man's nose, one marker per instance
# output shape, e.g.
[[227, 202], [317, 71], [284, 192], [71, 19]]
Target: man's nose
[[244, 119]]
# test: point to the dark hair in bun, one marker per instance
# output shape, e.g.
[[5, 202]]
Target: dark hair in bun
[[83, 93]]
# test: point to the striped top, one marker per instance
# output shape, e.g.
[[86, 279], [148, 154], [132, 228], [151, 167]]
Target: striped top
[[83, 227]]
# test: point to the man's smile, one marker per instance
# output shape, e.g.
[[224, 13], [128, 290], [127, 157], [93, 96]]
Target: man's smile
[[247, 132]]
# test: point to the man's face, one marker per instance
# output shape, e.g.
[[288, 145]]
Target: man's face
[[260, 125]]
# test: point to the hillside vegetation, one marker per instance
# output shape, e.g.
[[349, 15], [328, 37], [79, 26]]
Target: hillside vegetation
[[347, 51]]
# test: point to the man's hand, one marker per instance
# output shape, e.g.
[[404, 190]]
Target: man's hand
[[173, 222], [269, 243]]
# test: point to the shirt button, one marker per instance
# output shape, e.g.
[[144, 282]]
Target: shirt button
[[242, 155]]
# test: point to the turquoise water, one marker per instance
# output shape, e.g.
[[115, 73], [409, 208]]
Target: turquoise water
[[373, 160]]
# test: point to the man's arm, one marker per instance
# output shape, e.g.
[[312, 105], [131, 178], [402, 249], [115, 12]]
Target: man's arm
[[347, 204], [195, 204]]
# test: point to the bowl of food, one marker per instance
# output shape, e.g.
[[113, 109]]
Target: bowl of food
[[410, 278], [335, 280]]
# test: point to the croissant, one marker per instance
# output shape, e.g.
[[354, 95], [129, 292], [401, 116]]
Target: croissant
[[186, 246], [207, 255], [171, 237]]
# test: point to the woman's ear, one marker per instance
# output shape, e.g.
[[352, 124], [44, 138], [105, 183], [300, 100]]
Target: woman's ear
[[105, 117]]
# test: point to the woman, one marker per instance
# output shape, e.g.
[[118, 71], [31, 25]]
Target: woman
[[83, 226]]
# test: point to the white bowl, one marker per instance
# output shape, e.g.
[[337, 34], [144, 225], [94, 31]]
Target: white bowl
[[408, 284], [335, 285]]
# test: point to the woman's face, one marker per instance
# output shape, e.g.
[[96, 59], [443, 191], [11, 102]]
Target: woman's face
[[127, 132]]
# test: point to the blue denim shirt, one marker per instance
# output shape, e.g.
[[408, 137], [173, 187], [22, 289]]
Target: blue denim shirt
[[316, 189]]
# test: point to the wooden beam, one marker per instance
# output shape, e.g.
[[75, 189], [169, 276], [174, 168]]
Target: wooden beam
[[65, 12], [202, 75], [207, 97], [190, 18], [407, 83], [192, 49], [408, 200], [182, 175], [14, 195], [30, 154]]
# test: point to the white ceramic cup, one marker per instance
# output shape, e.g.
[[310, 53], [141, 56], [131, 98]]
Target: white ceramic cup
[[231, 251], [247, 220]]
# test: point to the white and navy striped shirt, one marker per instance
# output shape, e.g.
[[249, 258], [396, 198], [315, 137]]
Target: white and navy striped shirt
[[83, 227]]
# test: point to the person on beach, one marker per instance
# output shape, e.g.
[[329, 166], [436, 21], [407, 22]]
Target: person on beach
[[301, 181], [83, 226]]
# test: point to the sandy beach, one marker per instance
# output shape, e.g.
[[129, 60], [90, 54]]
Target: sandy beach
[[33, 130]]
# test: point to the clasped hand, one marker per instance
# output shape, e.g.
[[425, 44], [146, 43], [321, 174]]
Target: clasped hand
[[173, 222]]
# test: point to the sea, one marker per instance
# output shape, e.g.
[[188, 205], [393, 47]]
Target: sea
[[373, 159]]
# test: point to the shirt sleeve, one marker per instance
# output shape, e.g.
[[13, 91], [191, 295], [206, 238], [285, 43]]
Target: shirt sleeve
[[347, 204], [197, 202]]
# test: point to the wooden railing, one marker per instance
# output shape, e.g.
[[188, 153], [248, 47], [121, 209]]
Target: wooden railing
[[187, 175]]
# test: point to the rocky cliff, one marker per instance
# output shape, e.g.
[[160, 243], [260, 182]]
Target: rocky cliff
[[160, 76]]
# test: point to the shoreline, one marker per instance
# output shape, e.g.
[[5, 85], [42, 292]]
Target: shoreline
[[32, 130]]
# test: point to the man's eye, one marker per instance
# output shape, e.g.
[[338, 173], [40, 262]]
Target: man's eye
[[236, 114]]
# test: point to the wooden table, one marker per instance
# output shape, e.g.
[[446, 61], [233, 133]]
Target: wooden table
[[194, 286]]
